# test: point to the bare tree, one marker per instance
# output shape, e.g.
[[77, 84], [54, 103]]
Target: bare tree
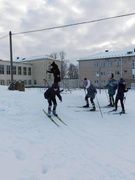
[[54, 55], [73, 71], [62, 55]]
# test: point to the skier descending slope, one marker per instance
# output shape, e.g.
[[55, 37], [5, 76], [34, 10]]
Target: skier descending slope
[[120, 95], [50, 94], [91, 92]]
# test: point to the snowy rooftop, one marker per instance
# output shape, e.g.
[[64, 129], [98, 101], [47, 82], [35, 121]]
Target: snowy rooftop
[[33, 58], [109, 54]]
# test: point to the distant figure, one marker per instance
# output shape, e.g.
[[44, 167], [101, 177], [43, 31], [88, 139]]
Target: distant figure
[[56, 72], [120, 94], [50, 94], [91, 92], [112, 86]]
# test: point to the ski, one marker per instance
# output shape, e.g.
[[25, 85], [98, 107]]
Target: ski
[[50, 118], [120, 113], [114, 113], [61, 120], [109, 112], [86, 111], [78, 107]]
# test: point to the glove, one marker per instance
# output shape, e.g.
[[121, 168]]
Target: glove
[[60, 99]]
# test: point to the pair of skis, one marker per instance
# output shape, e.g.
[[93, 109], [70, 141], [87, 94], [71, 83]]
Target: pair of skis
[[54, 120], [114, 112]]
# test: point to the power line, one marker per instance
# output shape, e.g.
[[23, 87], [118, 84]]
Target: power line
[[75, 24], [3, 37]]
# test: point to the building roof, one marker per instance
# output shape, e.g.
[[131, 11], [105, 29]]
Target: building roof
[[34, 58], [108, 54]]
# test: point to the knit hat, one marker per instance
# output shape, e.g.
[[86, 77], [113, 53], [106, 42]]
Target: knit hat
[[55, 86], [121, 80]]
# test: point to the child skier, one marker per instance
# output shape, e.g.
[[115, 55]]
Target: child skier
[[56, 72], [50, 94], [91, 92], [112, 86], [120, 95]]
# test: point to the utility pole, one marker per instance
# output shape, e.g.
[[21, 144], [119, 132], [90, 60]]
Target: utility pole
[[11, 56]]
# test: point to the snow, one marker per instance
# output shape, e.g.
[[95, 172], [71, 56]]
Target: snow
[[110, 54], [91, 147]]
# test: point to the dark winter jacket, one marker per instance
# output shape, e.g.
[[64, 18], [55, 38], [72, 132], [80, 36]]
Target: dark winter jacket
[[56, 72], [121, 89], [91, 91], [112, 86], [50, 94]]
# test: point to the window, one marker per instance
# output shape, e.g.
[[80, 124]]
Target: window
[[1, 69], [19, 70], [102, 64], [96, 82], [95, 64], [29, 71], [14, 69], [35, 82], [133, 64], [25, 82], [102, 82], [8, 69], [102, 73], [29, 82], [117, 63], [109, 63], [117, 72], [2, 82], [24, 71]]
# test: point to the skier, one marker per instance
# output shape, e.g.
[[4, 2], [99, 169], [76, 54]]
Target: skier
[[112, 86], [91, 92], [120, 94], [56, 72], [50, 94]]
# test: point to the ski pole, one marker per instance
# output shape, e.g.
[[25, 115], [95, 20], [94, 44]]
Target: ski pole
[[99, 107], [106, 95], [66, 86], [85, 91]]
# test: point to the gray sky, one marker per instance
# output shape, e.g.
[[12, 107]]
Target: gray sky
[[77, 41]]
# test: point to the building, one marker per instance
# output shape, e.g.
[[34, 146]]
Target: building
[[97, 67], [32, 71]]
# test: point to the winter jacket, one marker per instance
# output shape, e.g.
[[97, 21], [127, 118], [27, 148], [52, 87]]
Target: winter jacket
[[50, 94], [112, 86], [91, 91], [121, 89]]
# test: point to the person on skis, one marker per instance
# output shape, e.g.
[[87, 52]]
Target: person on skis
[[111, 86], [91, 92], [56, 72], [50, 94], [120, 95]]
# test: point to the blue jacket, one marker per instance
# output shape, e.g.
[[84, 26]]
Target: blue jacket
[[112, 86]]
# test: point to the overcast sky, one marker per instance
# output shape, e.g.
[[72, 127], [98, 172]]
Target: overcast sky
[[76, 41]]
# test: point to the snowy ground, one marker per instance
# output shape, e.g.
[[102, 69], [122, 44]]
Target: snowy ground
[[91, 147]]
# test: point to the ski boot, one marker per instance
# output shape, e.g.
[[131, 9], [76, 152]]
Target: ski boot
[[86, 106], [110, 105], [54, 113], [122, 112], [93, 109], [49, 111]]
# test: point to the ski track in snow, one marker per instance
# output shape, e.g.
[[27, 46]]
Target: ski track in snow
[[89, 148]]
